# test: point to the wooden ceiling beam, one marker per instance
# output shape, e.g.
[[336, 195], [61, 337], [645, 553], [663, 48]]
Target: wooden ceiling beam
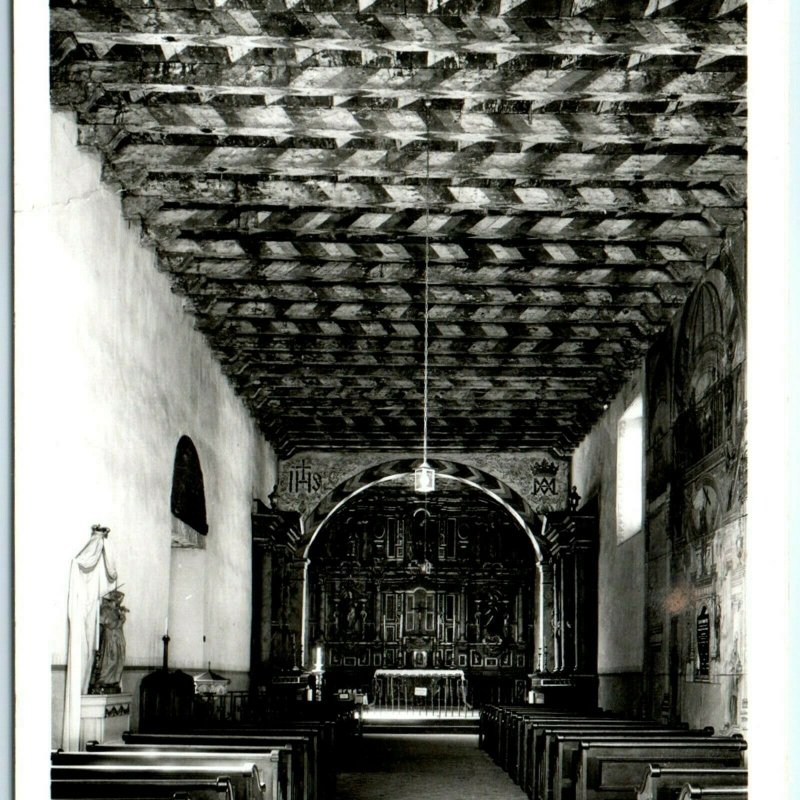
[[78, 82], [171, 203], [193, 275], [137, 161], [239, 329], [672, 226], [236, 16], [534, 374], [410, 292], [584, 354], [375, 127], [176, 203], [409, 419], [256, 312], [485, 443], [256, 365], [303, 34], [361, 391]]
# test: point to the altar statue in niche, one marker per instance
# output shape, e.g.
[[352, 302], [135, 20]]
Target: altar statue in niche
[[362, 619], [419, 535], [496, 616], [110, 657], [351, 544], [351, 617], [334, 624]]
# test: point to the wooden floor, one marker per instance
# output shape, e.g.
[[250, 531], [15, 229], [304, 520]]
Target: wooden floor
[[422, 767]]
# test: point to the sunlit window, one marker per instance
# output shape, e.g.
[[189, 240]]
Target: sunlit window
[[630, 469]]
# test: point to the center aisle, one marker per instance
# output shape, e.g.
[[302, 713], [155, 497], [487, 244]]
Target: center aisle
[[417, 766]]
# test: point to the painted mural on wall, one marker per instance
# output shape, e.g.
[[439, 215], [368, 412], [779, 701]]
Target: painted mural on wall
[[696, 495], [307, 477]]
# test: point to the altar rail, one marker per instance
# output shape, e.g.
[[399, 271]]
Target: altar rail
[[426, 691], [234, 709]]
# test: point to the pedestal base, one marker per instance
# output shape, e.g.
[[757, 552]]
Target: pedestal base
[[104, 717]]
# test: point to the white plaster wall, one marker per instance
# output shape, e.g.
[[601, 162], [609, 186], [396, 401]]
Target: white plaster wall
[[109, 374], [621, 567]]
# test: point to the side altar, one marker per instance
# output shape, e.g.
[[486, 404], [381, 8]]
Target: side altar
[[417, 689]]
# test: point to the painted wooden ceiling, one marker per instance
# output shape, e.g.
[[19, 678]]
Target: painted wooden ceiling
[[572, 165]]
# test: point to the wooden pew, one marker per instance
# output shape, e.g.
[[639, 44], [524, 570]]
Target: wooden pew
[[267, 763], [114, 788], [608, 769], [287, 780], [243, 778], [557, 748], [550, 743], [498, 724], [691, 792], [666, 783], [310, 782], [323, 743], [531, 728]]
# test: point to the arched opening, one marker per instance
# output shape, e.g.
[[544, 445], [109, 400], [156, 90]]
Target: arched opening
[[185, 621], [188, 497], [445, 581]]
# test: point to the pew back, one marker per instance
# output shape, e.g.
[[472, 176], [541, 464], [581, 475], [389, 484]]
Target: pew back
[[561, 750], [243, 778], [317, 779], [607, 769], [267, 763], [114, 788], [666, 783], [288, 777]]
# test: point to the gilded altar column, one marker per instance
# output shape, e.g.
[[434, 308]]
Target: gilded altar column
[[568, 611], [545, 632]]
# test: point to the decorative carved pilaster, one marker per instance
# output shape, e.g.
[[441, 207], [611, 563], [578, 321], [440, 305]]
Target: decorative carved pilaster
[[546, 617]]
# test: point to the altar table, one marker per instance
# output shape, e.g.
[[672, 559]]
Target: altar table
[[439, 690]]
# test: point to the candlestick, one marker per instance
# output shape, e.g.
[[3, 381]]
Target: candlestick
[[165, 639]]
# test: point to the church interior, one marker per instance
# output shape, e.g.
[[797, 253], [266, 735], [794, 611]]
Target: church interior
[[396, 382]]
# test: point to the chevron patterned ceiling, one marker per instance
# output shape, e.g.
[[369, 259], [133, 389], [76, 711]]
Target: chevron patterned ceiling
[[578, 163]]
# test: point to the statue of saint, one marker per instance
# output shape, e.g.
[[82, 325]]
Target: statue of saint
[[110, 656]]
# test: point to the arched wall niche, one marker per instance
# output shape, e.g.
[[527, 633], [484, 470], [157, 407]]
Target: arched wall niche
[[185, 620], [708, 370], [187, 496]]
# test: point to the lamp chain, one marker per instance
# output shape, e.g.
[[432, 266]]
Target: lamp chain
[[427, 259]]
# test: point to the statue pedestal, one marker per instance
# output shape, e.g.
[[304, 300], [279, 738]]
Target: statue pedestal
[[104, 717]]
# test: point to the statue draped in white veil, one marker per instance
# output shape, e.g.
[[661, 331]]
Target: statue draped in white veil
[[88, 583]]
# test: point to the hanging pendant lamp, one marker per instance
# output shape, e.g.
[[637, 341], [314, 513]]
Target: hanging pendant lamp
[[424, 474]]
